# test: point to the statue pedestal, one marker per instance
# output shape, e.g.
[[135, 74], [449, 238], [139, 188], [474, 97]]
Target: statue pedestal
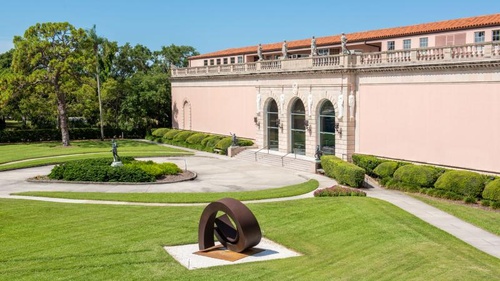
[[116, 164]]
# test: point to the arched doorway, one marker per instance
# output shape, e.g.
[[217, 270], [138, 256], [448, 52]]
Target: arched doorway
[[272, 125], [327, 128], [186, 116], [298, 130]]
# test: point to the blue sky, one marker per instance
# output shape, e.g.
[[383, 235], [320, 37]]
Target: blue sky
[[212, 25]]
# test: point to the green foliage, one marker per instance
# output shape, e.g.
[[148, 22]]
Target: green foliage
[[417, 175], [156, 170], [485, 203], [244, 142], [495, 205], [209, 142], [492, 190], [343, 172], [462, 182], [386, 169], [182, 136], [367, 162], [160, 132], [99, 170], [224, 144], [36, 135], [336, 190], [470, 200], [170, 135], [196, 138]]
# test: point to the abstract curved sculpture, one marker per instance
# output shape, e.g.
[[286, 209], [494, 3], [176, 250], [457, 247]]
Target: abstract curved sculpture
[[237, 229]]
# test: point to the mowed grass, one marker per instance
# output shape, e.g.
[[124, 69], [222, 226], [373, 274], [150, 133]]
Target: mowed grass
[[183, 197], [487, 219], [38, 154], [349, 238]]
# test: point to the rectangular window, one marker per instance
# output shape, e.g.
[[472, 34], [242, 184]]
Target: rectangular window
[[205, 62], [407, 44], [424, 42], [218, 61], [390, 45], [496, 35], [240, 59], [232, 60], [478, 36], [225, 60], [212, 62], [323, 52]]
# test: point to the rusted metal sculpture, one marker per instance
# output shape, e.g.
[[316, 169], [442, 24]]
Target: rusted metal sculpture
[[237, 229]]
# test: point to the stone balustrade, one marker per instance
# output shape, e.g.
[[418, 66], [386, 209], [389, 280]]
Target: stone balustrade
[[420, 56]]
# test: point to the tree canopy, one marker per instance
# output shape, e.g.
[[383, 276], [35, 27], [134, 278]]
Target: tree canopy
[[56, 71]]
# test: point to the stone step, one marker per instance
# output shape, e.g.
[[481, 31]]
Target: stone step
[[273, 159]]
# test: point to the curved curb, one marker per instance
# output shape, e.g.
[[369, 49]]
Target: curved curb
[[190, 178]]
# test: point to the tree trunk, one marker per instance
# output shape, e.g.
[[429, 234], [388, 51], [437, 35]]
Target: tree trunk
[[63, 118]]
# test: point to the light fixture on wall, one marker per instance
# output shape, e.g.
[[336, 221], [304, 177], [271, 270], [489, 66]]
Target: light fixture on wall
[[278, 123], [338, 128], [306, 125], [256, 121]]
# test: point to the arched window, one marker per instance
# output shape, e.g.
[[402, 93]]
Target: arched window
[[272, 125], [327, 128], [298, 130], [186, 116]]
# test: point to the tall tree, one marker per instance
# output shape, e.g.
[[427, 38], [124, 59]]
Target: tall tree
[[97, 42], [52, 58]]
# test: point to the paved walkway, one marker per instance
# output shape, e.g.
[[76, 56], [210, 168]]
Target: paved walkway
[[219, 173]]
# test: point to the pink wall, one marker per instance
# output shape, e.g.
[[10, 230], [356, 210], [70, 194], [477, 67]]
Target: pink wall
[[220, 110], [445, 124]]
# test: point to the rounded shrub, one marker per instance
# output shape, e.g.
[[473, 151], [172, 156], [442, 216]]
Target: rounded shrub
[[343, 172], [416, 175], [495, 204], [156, 170], [196, 138], [171, 134], [485, 203], [462, 182], [386, 169], [492, 190], [182, 136], [209, 142], [160, 132], [338, 191], [224, 144], [367, 162], [244, 142]]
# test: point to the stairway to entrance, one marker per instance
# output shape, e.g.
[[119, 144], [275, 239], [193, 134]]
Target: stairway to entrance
[[274, 158]]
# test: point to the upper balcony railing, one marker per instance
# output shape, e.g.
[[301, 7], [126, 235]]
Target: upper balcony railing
[[420, 56]]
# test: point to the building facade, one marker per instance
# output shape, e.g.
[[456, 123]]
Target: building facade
[[427, 93]]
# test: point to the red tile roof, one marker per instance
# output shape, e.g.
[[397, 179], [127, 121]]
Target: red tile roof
[[440, 26]]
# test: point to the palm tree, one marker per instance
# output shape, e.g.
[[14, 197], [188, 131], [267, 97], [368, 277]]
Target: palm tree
[[96, 42]]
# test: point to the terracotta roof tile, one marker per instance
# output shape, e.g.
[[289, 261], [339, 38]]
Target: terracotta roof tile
[[440, 26]]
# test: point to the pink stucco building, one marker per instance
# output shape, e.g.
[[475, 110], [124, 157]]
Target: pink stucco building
[[427, 93]]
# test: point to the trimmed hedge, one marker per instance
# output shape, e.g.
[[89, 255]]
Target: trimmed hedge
[[462, 182], [156, 170], [182, 136], [160, 132], [386, 169], [492, 190], [209, 142], [7, 136], [196, 138], [224, 144], [98, 170], [417, 175], [171, 134], [367, 162], [338, 191], [343, 172]]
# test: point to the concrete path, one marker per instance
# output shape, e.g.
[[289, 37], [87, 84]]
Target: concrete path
[[220, 173]]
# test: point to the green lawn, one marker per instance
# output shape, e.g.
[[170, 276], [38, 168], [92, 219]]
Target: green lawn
[[183, 197], [346, 238], [38, 154], [488, 219]]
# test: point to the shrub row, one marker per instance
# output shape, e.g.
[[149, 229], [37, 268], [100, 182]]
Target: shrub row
[[438, 182], [195, 140], [343, 172], [100, 170], [7, 136], [338, 191]]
